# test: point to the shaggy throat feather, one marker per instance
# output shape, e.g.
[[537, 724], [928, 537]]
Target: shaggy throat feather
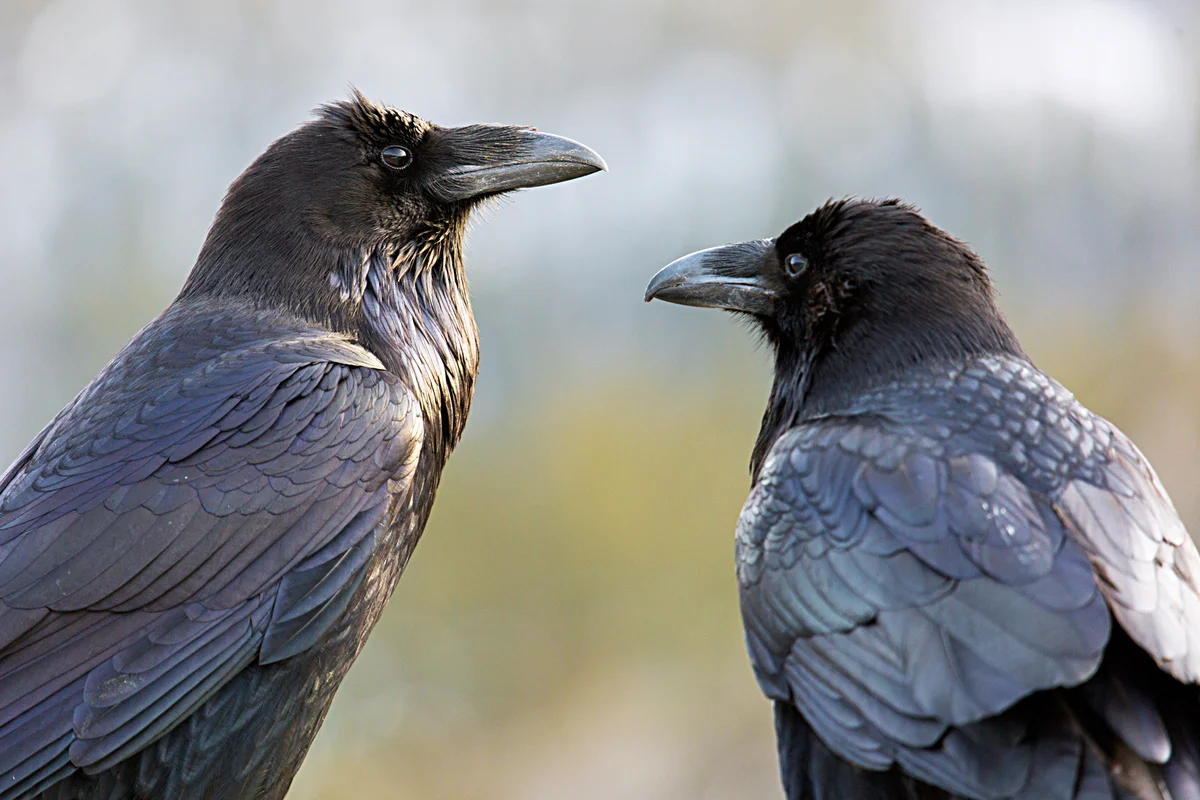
[[418, 320]]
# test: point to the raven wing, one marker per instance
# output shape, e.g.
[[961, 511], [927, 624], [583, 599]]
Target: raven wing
[[903, 588], [174, 525], [1146, 564]]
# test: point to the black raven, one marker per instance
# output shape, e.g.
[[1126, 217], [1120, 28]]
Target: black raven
[[940, 538], [193, 551]]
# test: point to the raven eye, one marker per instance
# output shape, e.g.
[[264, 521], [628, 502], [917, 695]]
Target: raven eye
[[795, 264], [396, 157]]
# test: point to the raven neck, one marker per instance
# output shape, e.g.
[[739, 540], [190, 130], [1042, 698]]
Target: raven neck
[[830, 378], [793, 375], [416, 318]]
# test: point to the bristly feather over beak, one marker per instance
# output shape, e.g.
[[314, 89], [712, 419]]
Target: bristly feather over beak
[[492, 159], [737, 277]]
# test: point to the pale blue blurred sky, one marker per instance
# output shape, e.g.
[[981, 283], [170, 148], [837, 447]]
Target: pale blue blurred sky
[[1058, 136]]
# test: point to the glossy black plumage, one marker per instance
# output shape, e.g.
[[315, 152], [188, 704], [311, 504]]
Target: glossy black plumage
[[956, 581], [193, 552]]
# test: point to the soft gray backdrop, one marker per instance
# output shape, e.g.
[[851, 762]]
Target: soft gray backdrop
[[569, 625]]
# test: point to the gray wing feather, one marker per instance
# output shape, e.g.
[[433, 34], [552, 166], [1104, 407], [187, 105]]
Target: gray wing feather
[[1148, 566]]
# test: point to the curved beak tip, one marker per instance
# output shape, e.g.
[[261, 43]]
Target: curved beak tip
[[571, 158], [673, 274], [587, 159]]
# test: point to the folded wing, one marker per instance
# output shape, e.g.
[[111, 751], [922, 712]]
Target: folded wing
[[904, 590], [166, 533]]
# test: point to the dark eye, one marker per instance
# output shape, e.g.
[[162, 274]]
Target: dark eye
[[396, 157], [795, 264]]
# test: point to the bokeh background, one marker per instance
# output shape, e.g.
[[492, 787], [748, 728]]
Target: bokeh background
[[568, 627]]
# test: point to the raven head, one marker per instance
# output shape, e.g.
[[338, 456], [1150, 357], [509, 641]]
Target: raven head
[[849, 296], [850, 274], [360, 179], [373, 171]]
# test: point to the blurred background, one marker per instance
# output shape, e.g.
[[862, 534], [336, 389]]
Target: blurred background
[[568, 626]]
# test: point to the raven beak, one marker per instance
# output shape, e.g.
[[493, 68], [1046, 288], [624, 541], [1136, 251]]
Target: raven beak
[[498, 158], [737, 277]]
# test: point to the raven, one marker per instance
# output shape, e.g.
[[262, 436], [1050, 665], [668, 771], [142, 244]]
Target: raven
[[194, 551], [955, 580]]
